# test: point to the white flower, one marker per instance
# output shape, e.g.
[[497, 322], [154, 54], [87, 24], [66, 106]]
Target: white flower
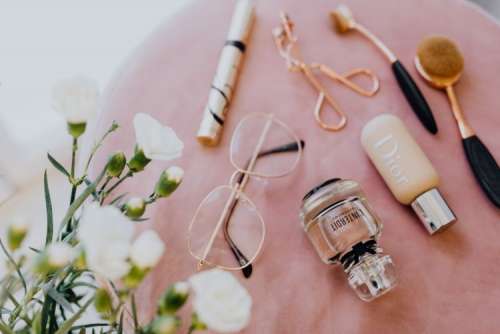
[[106, 235], [60, 254], [158, 142], [147, 249], [76, 98], [220, 301]]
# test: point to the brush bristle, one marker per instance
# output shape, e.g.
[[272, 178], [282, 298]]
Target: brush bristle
[[440, 57], [339, 22]]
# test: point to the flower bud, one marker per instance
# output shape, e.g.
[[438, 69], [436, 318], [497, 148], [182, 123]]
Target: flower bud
[[76, 129], [135, 207], [16, 234], [54, 257], [116, 164], [169, 181], [173, 299], [138, 161], [135, 277], [165, 324], [102, 302]]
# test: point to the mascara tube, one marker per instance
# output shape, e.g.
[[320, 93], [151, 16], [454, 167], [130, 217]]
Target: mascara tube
[[230, 61]]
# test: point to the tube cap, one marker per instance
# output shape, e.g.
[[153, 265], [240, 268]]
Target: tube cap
[[433, 211]]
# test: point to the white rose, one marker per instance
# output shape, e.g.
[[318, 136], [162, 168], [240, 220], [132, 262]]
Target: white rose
[[220, 301], [147, 249], [76, 98], [60, 254], [106, 235], [158, 142]]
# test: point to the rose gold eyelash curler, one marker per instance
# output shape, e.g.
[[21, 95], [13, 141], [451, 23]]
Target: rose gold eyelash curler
[[286, 43]]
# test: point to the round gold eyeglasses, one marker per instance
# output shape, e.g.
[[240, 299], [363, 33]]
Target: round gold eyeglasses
[[227, 230]]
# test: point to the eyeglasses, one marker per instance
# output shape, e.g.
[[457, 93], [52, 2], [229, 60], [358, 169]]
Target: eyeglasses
[[227, 230]]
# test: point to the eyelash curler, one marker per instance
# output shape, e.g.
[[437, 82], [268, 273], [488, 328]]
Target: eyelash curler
[[286, 42]]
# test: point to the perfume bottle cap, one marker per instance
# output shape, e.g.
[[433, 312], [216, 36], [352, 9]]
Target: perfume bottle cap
[[433, 211], [372, 276]]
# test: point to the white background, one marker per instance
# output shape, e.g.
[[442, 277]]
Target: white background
[[40, 43]]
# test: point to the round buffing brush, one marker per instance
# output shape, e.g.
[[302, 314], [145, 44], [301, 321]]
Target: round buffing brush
[[440, 58], [441, 63]]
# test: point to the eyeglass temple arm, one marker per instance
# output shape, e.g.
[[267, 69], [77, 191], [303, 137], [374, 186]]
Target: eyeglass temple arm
[[290, 147], [240, 257]]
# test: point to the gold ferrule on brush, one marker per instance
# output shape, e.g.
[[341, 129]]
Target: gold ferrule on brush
[[230, 62]]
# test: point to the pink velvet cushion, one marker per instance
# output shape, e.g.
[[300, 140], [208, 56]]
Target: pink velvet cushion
[[449, 283]]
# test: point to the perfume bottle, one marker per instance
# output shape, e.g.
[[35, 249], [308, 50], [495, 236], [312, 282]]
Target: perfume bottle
[[406, 170], [344, 230]]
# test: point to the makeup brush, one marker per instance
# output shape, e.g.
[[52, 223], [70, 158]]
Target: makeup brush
[[440, 63], [343, 22]]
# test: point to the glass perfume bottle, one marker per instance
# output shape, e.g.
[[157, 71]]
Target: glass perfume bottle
[[344, 230]]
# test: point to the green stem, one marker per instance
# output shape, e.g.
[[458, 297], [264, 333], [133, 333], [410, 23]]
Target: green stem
[[117, 183], [134, 311], [105, 184], [72, 171], [113, 127], [28, 297]]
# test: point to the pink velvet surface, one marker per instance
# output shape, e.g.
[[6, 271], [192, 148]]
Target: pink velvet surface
[[448, 283]]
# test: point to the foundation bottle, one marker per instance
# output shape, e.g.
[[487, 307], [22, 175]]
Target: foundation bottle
[[406, 170], [344, 230]]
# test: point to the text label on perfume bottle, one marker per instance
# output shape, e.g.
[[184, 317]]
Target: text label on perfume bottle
[[388, 148], [349, 214], [346, 217]]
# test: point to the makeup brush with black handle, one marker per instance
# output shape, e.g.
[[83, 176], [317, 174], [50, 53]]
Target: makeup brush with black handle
[[344, 22]]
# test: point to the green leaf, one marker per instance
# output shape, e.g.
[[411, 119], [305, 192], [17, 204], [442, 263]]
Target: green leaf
[[97, 324], [48, 209], [47, 304], [35, 250], [59, 298], [67, 325], [16, 266], [80, 284], [36, 324], [5, 329], [57, 165]]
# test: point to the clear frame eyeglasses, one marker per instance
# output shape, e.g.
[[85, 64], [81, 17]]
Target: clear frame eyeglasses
[[227, 231]]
